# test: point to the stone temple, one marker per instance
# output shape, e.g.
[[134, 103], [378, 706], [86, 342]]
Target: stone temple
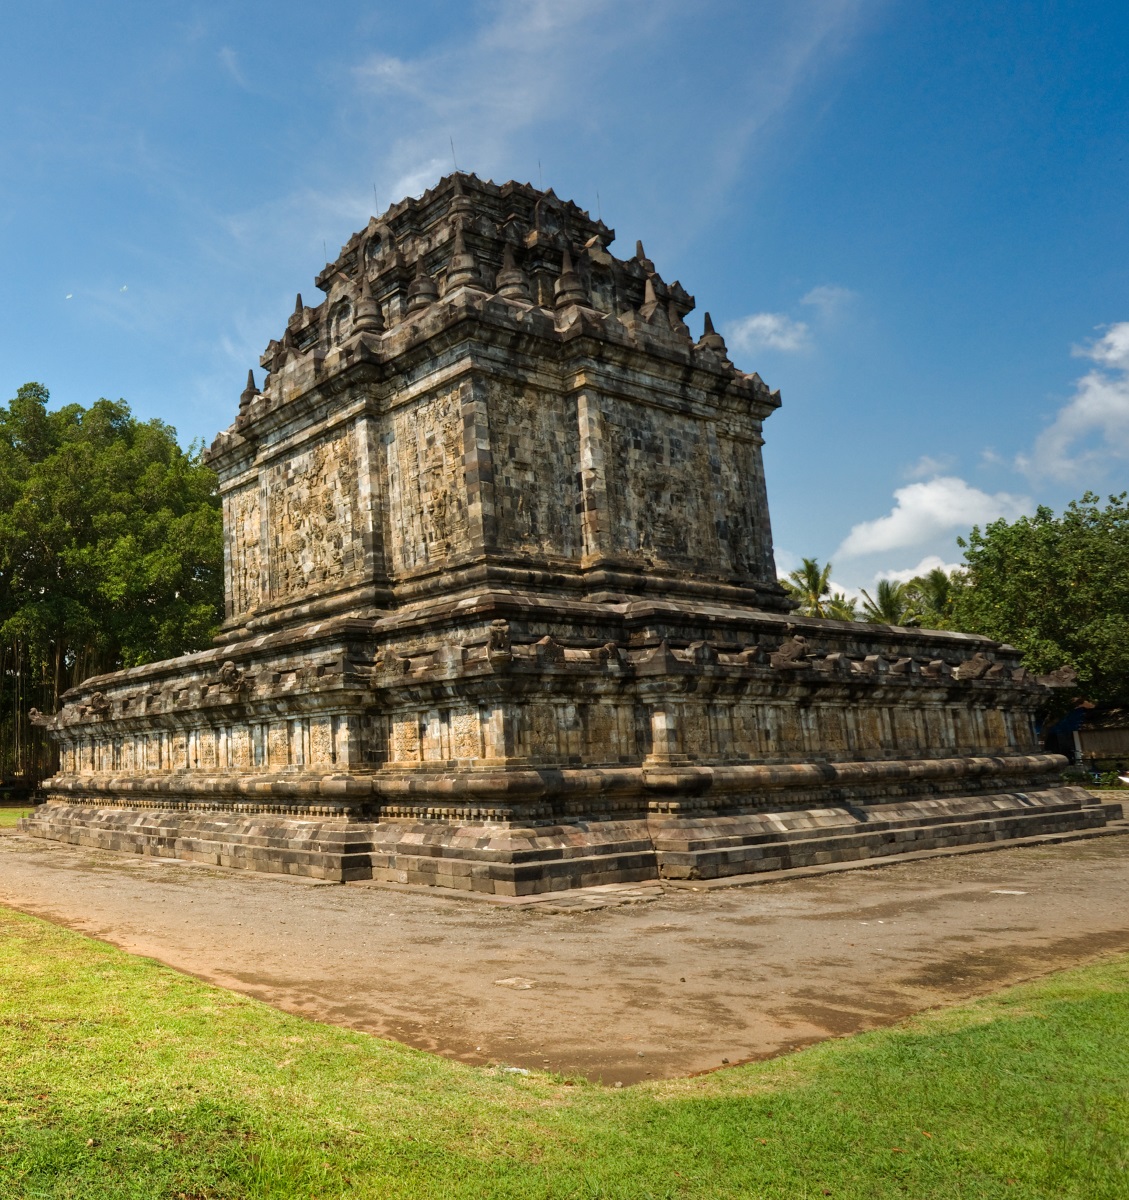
[[502, 612]]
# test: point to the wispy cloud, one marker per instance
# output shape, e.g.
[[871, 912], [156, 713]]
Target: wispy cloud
[[484, 90], [783, 332], [1091, 431], [526, 77], [767, 331], [926, 510], [829, 299], [229, 60], [927, 466], [538, 74]]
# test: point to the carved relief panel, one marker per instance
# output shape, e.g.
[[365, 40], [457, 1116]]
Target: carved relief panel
[[535, 444], [316, 529], [243, 532], [662, 485], [427, 506]]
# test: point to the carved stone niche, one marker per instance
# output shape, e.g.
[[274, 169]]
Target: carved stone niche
[[497, 483]]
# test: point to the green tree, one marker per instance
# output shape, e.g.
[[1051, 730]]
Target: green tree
[[810, 586], [1057, 588], [893, 603], [841, 607], [110, 552], [932, 595]]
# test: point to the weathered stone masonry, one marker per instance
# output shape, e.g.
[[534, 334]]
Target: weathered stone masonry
[[502, 612]]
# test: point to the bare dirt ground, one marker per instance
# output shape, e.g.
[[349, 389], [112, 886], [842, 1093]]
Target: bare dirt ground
[[667, 984]]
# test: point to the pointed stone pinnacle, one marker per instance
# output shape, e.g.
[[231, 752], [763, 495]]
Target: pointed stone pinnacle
[[511, 282], [568, 289], [463, 271], [249, 392], [460, 201], [369, 318], [298, 305], [422, 291], [652, 310], [640, 254], [711, 339]]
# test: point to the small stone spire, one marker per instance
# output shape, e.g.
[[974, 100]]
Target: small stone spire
[[422, 291], [512, 283], [298, 305], [249, 392], [568, 289], [652, 310], [460, 202], [369, 318], [463, 271], [711, 339], [644, 261]]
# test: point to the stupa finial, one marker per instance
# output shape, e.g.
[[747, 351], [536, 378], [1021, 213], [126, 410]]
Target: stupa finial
[[711, 339], [463, 271], [422, 291], [512, 283], [568, 289], [249, 392], [369, 318]]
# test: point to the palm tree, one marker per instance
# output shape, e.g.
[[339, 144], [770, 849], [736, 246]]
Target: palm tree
[[841, 607], [933, 594], [895, 605], [810, 586]]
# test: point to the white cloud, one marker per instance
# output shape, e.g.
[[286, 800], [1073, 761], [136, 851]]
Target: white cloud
[[829, 299], [767, 331], [1111, 350], [926, 510], [1091, 430], [929, 563], [927, 466], [779, 331]]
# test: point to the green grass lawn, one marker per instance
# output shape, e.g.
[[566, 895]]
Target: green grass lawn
[[120, 1077], [10, 815]]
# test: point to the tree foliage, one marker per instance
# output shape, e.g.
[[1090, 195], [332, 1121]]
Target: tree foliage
[[1055, 587], [893, 603], [110, 552], [810, 585], [932, 596]]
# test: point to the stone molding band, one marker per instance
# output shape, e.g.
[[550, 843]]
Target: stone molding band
[[549, 782]]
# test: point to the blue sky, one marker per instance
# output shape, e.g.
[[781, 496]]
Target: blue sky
[[909, 217]]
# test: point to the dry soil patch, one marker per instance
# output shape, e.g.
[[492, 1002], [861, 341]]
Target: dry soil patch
[[668, 985]]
